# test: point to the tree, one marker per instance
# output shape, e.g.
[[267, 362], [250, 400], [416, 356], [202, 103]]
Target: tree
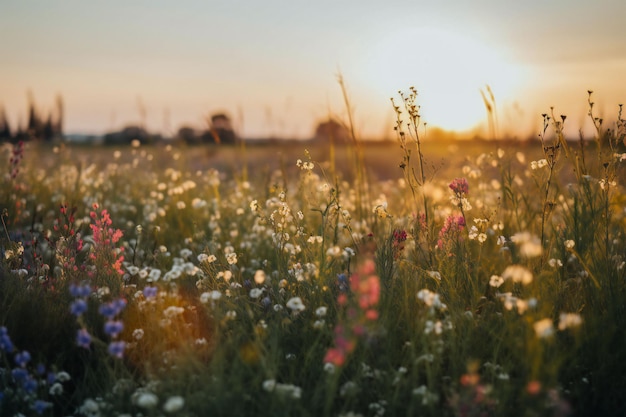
[[35, 124], [331, 129], [220, 130], [5, 129], [58, 126]]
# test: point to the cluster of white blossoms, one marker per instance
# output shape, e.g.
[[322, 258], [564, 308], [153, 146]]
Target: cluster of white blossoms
[[529, 245], [518, 274], [304, 165], [538, 164], [431, 299], [284, 390]]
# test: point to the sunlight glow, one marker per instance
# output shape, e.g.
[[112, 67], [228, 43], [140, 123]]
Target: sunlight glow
[[447, 70]]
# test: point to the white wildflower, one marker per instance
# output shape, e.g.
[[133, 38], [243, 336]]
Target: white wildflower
[[231, 258], [529, 245], [295, 304], [544, 328], [321, 311], [174, 404], [146, 400], [567, 320], [259, 276], [56, 389], [555, 263], [496, 281], [518, 273], [256, 292], [138, 334]]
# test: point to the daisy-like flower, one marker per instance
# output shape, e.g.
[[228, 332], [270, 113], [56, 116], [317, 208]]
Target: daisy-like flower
[[138, 334], [321, 311], [295, 304], [231, 258], [495, 281]]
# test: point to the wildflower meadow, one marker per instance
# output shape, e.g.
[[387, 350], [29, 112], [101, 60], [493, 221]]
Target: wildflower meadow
[[148, 281]]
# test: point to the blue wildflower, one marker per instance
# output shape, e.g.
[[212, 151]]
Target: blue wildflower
[[41, 406], [113, 328], [21, 359], [5, 341], [40, 369], [83, 338], [112, 309], [51, 378], [80, 291], [29, 385], [19, 374], [117, 349], [342, 279], [78, 307]]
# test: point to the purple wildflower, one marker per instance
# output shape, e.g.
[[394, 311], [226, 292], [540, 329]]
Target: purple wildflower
[[150, 292]]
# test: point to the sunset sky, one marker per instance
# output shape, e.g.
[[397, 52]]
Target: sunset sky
[[273, 65]]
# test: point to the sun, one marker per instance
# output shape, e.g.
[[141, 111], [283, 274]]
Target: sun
[[447, 69]]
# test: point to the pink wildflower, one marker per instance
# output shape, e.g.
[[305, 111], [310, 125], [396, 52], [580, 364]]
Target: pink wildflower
[[459, 186], [105, 239], [369, 290], [335, 356], [360, 311]]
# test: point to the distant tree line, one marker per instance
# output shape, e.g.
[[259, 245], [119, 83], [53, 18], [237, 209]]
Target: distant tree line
[[39, 126], [219, 131]]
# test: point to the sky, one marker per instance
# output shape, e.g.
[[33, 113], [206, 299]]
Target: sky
[[273, 65]]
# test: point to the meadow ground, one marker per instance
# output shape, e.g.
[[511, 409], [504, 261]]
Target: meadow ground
[[443, 279]]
